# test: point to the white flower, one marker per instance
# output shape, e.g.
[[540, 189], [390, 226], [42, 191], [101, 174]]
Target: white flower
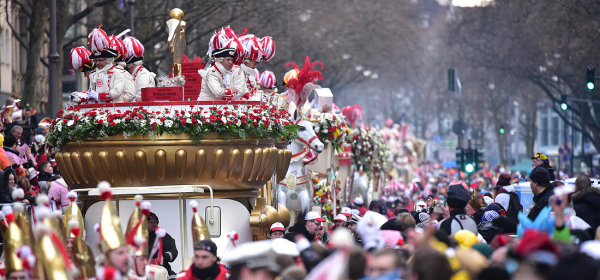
[[117, 121], [224, 120], [168, 123], [143, 122], [70, 123], [188, 121]]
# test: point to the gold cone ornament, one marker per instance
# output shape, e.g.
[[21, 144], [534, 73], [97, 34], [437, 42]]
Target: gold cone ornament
[[72, 213], [81, 254], [13, 240], [52, 254], [199, 229], [110, 226], [24, 222], [44, 214], [137, 227]]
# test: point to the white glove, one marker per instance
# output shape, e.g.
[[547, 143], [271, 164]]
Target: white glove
[[93, 95], [79, 97]]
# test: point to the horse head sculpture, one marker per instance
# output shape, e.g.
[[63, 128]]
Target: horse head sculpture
[[295, 191]]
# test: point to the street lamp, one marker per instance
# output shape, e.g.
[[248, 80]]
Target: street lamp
[[130, 4]]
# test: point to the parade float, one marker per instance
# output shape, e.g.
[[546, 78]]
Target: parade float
[[225, 155]]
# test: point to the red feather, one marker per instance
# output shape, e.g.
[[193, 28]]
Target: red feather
[[306, 75]]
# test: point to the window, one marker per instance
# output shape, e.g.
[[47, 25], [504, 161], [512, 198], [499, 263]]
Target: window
[[543, 130], [554, 131]]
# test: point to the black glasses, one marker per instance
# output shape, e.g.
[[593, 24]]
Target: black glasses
[[316, 222]]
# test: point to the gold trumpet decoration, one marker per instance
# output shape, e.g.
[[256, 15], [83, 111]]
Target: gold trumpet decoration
[[176, 27]]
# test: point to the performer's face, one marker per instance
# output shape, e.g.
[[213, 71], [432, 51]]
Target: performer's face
[[277, 234], [119, 259], [100, 62], [140, 265], [16, 275], [251, 64], [339, 224], [227, 62], [69, 241], [204, 259]]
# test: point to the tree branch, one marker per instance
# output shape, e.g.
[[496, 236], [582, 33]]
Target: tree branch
[[12, 29], [77, 17], [68, 44], [23, 9]]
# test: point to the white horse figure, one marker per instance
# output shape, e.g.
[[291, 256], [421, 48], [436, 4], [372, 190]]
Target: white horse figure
[[296, 190], [360, 187]]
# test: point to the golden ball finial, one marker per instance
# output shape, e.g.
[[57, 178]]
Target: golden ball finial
[[176, 13]]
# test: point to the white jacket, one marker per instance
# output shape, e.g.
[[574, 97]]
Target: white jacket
[[504, 198], [142, 79], [109, 80], [128, 94], [250, 76], [217, 82]]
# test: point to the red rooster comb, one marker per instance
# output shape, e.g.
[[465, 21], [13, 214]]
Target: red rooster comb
[[306, 75]]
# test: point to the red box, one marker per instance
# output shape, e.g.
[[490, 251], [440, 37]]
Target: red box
[[162, 94], [191, 91], [192, 78], [191, 67]]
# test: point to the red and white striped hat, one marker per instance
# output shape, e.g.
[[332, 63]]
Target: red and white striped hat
[[100, 44], [118, 46], [268, 80], [235, 43], [252, 48], [80, 59], [267, 46], [134, 50], [220, 39]]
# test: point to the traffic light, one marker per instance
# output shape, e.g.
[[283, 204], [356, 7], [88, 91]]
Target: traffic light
[[469, 161], [460, 158], [452, 79], [563, 102], [502, 129], [590, 78], [479, 159]]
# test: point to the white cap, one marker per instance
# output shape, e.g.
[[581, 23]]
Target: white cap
[[346, 211], [277, 226], [591, 248], [40, 139], [32, 173], [488, 199], [358, 200], [340, 217], [262, 254], [356, 212], [312, 215]]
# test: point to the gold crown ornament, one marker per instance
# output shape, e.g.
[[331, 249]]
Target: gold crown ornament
[[137, 227], [81, 254], [52, 254], [13, 240], [199, 229], [72, 213], [110, 226], [73, 226], [45, 215]]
